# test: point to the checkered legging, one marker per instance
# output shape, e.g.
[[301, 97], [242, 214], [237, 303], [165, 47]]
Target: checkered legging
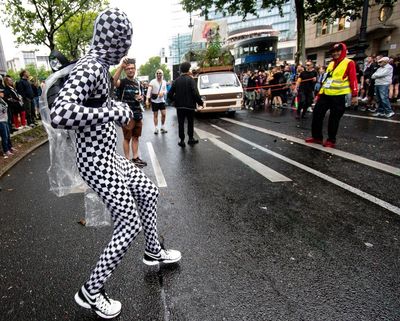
[[128, 194]]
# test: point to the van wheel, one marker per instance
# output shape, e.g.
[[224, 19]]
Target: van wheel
[[231, 113]]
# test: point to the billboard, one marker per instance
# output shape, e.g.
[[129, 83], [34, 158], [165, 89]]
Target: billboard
[[203, 31]]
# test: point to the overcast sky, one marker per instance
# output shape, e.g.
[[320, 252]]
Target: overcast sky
[[152, 28]]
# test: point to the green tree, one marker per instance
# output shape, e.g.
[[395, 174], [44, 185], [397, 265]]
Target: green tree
[[309, 9], [151, 66], [38, 21], [74, 36], [38, 73], [13, 74]]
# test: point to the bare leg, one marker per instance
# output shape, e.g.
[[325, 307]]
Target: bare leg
[[135, 147]]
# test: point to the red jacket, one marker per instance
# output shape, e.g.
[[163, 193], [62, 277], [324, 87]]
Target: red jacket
[[350, 71]]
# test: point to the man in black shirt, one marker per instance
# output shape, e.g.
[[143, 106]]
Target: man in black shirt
[[24, 88], [305, 88], [185, 95], [129, 91]]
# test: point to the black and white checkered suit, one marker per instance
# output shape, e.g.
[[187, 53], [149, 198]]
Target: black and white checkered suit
[[128, 194]]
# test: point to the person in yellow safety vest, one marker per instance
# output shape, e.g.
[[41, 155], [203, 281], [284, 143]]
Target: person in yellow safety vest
[[340, 80]]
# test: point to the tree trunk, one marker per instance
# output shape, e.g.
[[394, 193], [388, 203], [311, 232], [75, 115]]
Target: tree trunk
[[301, 41]]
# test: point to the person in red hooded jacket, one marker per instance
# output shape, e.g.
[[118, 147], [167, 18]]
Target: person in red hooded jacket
[[340, 80]]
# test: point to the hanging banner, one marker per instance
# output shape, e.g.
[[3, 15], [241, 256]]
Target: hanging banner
[[203, 31]]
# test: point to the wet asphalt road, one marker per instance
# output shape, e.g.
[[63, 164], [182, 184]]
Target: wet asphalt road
[[304, 249]]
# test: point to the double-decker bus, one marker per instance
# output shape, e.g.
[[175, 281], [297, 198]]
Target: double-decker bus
[[254, 48]]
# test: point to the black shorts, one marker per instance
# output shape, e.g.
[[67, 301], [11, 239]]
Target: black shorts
[[155, 107]]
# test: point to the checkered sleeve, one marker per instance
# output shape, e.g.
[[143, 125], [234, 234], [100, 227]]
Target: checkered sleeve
[[86, 80]]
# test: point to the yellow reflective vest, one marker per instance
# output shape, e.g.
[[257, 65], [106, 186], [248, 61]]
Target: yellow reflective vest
[[334, 84]]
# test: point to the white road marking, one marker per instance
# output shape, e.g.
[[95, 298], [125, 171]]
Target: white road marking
[[332, 180], [156, 166], [374, 118], [359, 159], [263, 170]]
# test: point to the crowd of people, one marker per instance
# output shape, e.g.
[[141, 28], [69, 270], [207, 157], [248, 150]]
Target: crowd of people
[[298, 86], [19, 107]]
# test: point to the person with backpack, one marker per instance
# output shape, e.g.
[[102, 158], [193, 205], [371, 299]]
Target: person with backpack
[[85, 106], [130, 92]]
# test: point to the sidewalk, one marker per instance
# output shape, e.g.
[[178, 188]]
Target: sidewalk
[[24, 142]]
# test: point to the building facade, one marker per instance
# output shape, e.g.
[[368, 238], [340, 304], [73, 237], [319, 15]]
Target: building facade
[[285, 25], [181, 41], [3, 63], [383, 34], [38, 58]]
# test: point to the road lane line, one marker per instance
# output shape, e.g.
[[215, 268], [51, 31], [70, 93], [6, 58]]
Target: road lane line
[[263, 170], [156, 166], [332, 180], [373, 118], [359, 159]]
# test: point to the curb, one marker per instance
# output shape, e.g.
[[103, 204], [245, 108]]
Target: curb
[[19, 158]]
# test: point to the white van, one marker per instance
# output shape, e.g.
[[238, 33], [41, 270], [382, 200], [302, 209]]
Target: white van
[[220, 89]]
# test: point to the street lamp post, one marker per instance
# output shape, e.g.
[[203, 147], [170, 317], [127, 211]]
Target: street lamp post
[[362, 38]]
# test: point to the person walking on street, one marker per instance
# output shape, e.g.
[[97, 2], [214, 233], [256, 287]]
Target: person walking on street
[[383, 79], [305, 89], [24, 88], [340, 80], [129, 91], [156, 92], [185, 95], [85, 106]]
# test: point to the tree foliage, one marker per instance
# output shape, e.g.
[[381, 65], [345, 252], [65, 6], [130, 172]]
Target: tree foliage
[[38, 21], [74, 36], [37, 73], [151, 66]]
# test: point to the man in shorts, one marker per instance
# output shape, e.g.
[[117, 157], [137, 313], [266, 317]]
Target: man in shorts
[[129, 91], [156, 93]]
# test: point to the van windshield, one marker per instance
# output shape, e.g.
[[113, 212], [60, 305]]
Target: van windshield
[[216, 80]]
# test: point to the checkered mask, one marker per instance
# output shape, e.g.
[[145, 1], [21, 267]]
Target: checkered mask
[[112, 36]]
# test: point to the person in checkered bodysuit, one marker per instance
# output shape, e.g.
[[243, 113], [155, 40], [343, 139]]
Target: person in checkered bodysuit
[[84, 105]]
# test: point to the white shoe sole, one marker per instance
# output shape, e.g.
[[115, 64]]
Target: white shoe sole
[[151, 263], [83, 304], [87, 306]]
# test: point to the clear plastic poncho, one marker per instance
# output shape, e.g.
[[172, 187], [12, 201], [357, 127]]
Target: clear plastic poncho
[[63, 174]]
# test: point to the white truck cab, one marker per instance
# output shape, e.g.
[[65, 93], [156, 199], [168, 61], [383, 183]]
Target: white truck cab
[[220, 90]]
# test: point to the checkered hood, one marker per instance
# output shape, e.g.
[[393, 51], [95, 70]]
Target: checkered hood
[[112, 36]]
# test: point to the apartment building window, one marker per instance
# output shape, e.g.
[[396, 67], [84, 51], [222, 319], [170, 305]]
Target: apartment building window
[[324, 27], [29, 57]]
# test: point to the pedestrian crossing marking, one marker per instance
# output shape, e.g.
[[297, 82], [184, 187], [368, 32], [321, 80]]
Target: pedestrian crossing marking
[[359, 159], [332, 180], [161, 182], [263, 170], [373, 118]]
